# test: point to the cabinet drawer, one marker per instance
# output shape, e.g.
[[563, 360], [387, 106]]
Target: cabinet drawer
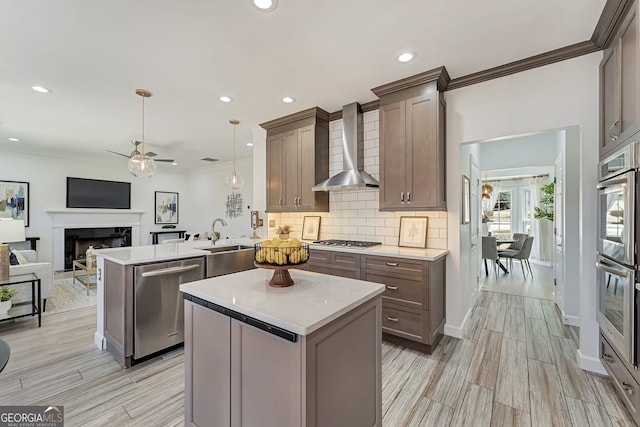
[[334, 259], [624, 382], [402, 288], [404, 322], [353, 273], [395, 265]]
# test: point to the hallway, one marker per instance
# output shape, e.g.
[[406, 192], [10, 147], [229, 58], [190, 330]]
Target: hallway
[[538, 286]]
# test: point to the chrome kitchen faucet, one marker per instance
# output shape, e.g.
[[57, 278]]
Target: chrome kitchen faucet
[[215, 236]]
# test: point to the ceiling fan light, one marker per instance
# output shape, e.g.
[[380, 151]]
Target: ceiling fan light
[[142, 166]]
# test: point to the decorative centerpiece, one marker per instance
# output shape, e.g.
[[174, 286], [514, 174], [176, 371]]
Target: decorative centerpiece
[[279, 255], [283, 231]]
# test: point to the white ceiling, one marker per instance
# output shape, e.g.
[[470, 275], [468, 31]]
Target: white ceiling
[[94, 54]]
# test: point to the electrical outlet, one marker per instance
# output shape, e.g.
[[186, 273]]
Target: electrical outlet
[[272, 223]]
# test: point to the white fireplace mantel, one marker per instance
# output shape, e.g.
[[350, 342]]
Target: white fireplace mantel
[[90, 218]]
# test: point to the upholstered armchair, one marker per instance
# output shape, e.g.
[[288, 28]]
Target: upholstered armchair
[[44, 271]]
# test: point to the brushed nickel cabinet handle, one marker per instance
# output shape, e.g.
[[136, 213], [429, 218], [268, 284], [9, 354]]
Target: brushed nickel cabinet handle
[[392, 288], [626, 387], [614, 125], [607, 358], [280, 203], [402, 197], [294, 201], [392, 264], [299, 201], [99, 274], [409, 197], [392, 319]]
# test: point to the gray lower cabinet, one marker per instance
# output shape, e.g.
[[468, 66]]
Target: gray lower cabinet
[[413, 304], [623, 376], [239, 375]]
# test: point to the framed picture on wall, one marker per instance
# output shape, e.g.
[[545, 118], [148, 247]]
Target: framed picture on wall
[[413, 231], [466, 200], [311, 228], [14, 200], [166, 210]]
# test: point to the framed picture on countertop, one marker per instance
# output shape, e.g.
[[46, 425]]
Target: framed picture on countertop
[[311, 228], [413, 231]]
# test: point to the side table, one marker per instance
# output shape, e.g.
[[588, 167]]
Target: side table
[[36, 303], [88, 271]]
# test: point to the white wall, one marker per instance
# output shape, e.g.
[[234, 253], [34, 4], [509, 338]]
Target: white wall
[[209, 197], [551, 97], [202, 193], [519, 152]]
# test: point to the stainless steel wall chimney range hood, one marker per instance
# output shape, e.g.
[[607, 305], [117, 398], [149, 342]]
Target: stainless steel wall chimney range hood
[[353, 176]]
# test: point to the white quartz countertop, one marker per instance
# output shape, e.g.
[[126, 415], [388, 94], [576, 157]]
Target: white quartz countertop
[[384, 250], [312, 302], [169, 251]]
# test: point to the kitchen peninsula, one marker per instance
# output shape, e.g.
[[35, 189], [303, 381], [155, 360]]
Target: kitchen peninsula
[[305, 355]]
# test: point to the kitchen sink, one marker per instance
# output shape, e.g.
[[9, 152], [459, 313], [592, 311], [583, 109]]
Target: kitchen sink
[[217, 249], [229, 259]]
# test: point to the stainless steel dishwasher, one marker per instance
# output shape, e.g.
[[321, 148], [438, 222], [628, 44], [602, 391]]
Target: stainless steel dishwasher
[[158, 309]]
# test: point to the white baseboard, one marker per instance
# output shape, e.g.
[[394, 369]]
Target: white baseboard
[[99, 341], [457, 331], [591, 364], [571, 320]]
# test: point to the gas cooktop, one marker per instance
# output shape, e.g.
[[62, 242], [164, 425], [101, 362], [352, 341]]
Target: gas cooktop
[[355, 244]]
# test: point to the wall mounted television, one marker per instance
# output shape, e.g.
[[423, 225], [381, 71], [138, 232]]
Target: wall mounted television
[[98, 194]]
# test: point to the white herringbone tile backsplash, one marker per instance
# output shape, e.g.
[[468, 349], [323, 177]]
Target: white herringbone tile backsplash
[[354, 215]]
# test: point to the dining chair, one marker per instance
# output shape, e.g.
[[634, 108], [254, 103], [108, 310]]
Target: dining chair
[[518, 240], [490, 252], [522, 255]]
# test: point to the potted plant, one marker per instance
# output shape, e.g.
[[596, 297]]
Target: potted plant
[[283, 231], [546, 200], [5, 299]]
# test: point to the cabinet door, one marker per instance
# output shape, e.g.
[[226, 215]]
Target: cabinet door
[[608, 99], [628, 76], [291, 169], [275, 170], [307, 178], [392, 155], [422, 153], [207, 350]]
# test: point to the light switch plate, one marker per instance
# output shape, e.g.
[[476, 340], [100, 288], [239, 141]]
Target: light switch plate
[[272, 223]]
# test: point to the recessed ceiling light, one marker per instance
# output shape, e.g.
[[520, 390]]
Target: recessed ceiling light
[[174, 163], [14, 139], [406, 56], [249, 144], [288, 100], [225, 98], [40, 89], [265, 5]]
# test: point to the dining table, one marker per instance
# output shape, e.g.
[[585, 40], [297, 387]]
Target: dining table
[[499, 241]]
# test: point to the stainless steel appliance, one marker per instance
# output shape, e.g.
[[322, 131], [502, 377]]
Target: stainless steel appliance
[[617, 260], [355, 244], [158, 309]]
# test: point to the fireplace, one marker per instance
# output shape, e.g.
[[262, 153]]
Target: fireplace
[[78, 240]]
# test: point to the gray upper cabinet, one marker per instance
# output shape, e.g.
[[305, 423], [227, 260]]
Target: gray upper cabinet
[[297, 159], [412, 142], [619, 98]]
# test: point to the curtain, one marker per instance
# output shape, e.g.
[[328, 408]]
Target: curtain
[[541, 229]]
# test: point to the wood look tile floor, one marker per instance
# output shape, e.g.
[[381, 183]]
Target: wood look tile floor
[[517, 368]]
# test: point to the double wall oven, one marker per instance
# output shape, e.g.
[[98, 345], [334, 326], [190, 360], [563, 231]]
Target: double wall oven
[[617, 259]]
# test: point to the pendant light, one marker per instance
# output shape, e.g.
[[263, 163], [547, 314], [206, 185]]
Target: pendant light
[[140, 165], [234, 181]]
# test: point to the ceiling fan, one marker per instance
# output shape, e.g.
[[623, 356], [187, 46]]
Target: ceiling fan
[[135, 152]]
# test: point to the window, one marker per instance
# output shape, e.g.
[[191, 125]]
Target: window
[[501, 220], [527, 211]]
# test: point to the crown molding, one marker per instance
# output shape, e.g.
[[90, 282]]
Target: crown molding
[[315, 112], [610, 20], [439, 75], [546, 58], [369, 106]]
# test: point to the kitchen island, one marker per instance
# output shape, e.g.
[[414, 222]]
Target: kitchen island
[[305, 355]]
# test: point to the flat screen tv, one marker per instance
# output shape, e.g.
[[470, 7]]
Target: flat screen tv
[[98, 194]]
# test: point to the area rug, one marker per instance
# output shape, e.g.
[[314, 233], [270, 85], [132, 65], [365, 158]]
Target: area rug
[[70, 296]]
